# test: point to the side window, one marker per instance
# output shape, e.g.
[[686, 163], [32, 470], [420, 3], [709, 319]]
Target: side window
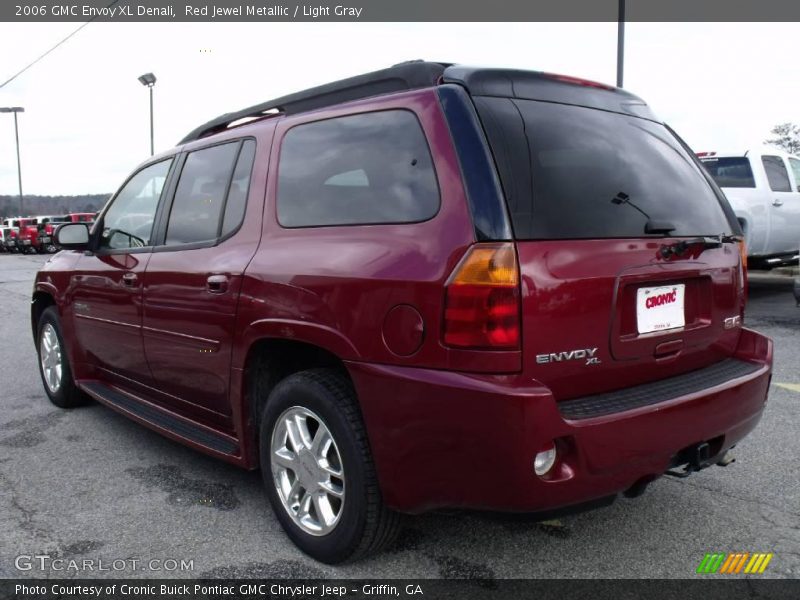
[[240, 186], [358, 169], [128, 223], [795, 164], [776, 174], [199, 198]]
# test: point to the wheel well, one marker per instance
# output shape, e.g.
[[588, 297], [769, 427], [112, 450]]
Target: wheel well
[[271, 360], [40, 302]]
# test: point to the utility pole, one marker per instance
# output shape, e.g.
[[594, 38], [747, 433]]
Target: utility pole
[[15, 110]]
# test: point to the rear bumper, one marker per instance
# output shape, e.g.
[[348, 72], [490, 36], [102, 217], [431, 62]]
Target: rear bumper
[[444, 439]]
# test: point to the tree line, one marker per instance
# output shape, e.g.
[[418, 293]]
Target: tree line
[[51, 205]]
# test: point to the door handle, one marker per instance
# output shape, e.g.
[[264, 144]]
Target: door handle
[[777, 202], [129, 279], [217, 284]]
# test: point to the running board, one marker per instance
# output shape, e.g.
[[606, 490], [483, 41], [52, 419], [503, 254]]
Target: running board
[[161, 420]]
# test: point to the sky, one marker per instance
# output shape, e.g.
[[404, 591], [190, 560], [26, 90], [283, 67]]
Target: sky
[[721, 86]]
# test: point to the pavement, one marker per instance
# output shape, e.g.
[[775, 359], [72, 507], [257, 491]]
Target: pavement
[[89, 487]]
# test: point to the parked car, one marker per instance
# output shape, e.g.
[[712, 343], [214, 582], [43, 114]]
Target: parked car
[[45, 226], [80, 217], [763, 187], [4, 235], [28, 236], [10, 237], [428, 286]]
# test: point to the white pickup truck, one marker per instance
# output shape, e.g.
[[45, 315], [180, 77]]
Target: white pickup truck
[[763, 187]]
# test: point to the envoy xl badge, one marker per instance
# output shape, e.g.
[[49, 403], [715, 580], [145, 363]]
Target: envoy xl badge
[[583, 353]]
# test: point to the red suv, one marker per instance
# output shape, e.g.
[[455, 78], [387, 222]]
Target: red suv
[[428, 286]]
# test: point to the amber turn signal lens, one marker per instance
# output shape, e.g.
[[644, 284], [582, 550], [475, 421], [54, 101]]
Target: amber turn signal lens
[[488, 264]]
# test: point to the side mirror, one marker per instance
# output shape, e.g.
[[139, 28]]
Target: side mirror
[[72, 236]]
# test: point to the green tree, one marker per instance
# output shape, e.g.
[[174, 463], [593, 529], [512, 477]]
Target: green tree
[[787, 137]]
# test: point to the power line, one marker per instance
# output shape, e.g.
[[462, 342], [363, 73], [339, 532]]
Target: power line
[[13, 77]]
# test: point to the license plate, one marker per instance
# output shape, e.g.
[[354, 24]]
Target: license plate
[[660, 308]]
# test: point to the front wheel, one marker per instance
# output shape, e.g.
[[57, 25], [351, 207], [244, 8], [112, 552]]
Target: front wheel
[[318, 470]]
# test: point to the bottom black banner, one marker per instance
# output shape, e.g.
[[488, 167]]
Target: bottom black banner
[[574, 589]]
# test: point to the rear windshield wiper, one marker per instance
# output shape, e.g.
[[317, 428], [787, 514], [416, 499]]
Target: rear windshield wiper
[[705, 242]]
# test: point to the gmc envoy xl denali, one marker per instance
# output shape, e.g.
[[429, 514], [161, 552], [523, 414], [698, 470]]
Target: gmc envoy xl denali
[[428, 286]]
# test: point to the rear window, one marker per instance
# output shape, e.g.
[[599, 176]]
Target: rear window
[[730, 172], [360, 169], [572, 172]]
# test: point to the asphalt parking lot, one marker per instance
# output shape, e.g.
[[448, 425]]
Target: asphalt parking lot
[[90, 484]]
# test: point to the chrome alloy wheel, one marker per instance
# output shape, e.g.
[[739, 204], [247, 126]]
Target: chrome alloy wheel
[[50, 357], [307, 471]]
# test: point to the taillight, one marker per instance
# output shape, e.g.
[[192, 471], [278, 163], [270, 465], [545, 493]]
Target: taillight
[[482, 299]]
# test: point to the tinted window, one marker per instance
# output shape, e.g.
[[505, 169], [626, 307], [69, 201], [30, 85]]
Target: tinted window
[[368, 168], [575, 172], [128, 223], [731, 172], [776, 174], [199, 197], [240, 185], [795, 164]]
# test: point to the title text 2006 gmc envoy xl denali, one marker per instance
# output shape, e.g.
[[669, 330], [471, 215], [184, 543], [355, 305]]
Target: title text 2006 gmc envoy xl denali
[[428, 286]]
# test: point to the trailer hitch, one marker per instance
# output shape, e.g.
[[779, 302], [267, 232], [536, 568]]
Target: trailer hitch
[[696, 459]]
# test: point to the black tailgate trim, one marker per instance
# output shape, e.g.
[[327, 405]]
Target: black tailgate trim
[[655, 392]]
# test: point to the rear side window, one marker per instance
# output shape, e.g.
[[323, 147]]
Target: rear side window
[[359, 169], [795, 164], [240, 186], [777, 175], [730, 172], [200, 195], [572, 172]]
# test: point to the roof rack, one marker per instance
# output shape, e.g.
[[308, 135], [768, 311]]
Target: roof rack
[[409, 75]]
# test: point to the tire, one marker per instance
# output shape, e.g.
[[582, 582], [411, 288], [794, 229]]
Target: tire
[[364, 525], [66, 394]]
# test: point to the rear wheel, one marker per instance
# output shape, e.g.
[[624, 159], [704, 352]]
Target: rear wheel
[[318, 470], [54, 364]]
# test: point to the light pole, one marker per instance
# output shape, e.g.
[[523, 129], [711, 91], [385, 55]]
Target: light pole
[[15, 110], [620, 42], [149, 80]]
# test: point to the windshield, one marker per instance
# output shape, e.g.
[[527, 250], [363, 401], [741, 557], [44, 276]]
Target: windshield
[[572, 172]]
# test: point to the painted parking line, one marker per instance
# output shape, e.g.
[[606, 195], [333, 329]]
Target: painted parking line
[[794, 387]]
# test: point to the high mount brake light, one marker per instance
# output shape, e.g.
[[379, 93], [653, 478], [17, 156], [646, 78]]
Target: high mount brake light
[[579, 81], [482, 299]]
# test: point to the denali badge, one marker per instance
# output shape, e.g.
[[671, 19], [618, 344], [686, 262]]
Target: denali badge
[[584, 353]]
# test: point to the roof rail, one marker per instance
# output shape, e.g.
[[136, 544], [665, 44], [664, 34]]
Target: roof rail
[[403, 76]]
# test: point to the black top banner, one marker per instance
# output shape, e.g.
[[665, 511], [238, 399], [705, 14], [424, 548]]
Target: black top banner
[[399, 10]]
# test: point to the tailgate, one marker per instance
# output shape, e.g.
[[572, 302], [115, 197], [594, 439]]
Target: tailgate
[[585, 312]]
